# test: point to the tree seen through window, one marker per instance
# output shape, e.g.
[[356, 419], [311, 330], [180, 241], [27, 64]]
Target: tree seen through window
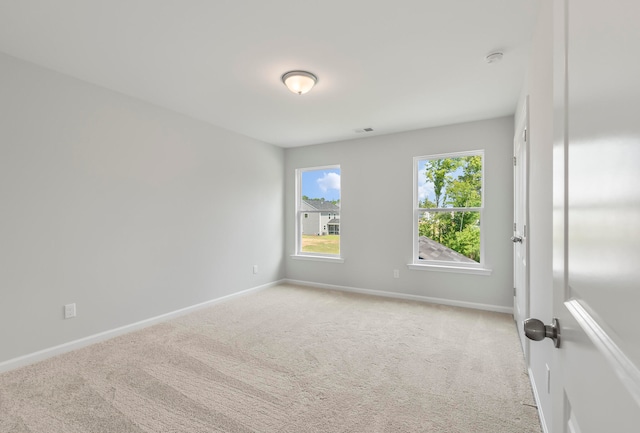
[[449, 208]]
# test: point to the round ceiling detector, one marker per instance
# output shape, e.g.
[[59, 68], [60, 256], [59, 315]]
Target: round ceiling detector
[[494, 57], [299, 82]]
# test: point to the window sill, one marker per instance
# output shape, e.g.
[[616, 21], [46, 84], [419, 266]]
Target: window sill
[[317, 258], [454, 269]]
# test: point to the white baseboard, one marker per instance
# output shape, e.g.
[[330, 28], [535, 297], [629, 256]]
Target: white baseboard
[[543, 422], [41, 355], [453, 303]]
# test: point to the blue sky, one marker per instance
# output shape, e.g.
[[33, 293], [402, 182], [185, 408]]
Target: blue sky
[[323, 183]]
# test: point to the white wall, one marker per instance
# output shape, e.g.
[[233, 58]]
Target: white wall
[[539, 87], [376, 212], [122, 207], [132, 211]]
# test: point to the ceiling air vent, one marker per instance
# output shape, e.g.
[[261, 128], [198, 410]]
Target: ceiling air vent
[[360, 131]]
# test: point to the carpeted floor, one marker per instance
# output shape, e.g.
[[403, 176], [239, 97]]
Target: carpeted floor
[[287, 359]]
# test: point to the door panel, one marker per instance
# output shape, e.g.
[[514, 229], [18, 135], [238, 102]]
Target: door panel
[[572, 423], [597, 399], [596, 380]]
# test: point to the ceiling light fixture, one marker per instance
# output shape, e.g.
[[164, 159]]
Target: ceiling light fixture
[[299, 82]]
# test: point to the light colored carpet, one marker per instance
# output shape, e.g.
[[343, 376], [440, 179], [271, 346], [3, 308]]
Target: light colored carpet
[[286, 359]]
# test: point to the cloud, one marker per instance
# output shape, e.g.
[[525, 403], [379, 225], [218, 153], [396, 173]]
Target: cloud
[[425, 188], [329, 181]]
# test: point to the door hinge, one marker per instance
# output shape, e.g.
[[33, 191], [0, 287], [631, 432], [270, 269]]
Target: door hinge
[[524, 135], [514, 227], [514, 161], [514, 291]]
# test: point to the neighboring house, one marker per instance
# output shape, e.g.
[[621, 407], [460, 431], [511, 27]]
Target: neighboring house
[[323, 217]]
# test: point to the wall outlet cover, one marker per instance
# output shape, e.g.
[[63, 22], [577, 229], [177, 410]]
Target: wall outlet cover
[[69, 311]]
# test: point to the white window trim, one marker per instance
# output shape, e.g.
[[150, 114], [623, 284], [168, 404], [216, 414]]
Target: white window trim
[[438, 265], [446, 268], [308, 256], [300, 255]]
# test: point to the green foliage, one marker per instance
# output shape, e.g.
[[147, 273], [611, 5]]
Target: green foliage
[[439, 174], [466, 242], [428, 204], [457, 183]]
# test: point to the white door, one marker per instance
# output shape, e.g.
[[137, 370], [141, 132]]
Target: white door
[[520, 218], [595, 379]]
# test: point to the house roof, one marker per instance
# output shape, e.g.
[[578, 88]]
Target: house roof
[[334, 221], [431, 250], [319, 204]]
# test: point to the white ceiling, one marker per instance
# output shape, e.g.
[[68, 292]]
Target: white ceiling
[[393, 65]]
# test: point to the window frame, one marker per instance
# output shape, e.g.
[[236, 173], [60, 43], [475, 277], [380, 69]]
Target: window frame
[[442, 265], [300, 214]]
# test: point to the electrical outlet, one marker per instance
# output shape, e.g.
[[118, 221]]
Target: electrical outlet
[[255, 269], [396, 273], [70, 311]]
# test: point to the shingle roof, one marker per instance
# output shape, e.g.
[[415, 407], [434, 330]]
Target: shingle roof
[[322, 205], [432, 250]]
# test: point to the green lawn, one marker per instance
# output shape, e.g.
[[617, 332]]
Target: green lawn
[[328, 244]]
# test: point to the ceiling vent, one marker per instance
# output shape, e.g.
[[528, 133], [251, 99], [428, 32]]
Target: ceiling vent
[[494, 57], [360, 131]]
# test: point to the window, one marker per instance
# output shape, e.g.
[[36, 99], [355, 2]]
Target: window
[[318, 212], [448, 210]]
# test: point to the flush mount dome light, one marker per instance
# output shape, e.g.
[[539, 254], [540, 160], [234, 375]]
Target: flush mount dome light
[[299, 82]]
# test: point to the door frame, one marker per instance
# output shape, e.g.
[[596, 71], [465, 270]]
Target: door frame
[[522, 133]]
